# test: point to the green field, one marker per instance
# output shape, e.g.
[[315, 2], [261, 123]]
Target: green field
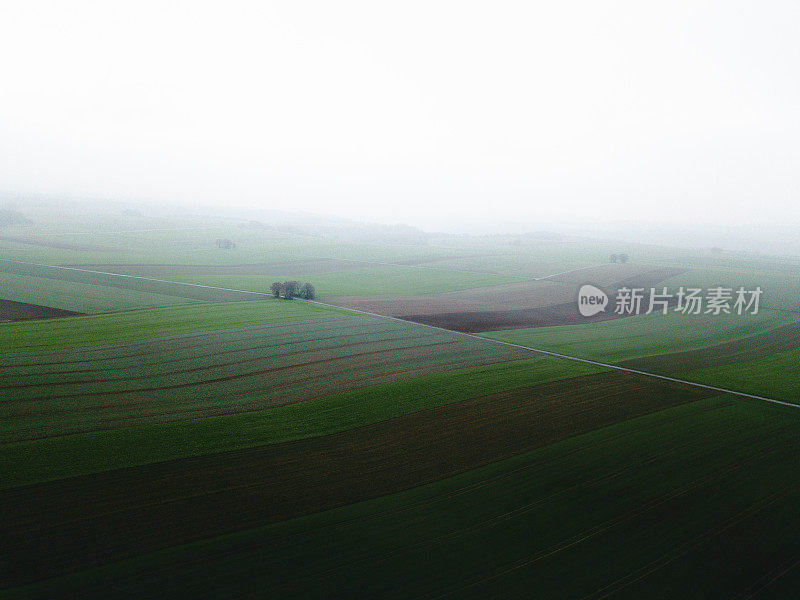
[[646, 335], [85, 298], [79, 454], [773, 376], [186, 440], [146, 324], [546, 514], [222, 372], [131, 292]]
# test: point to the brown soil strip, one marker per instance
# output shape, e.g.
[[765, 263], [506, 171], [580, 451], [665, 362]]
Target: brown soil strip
[[546, 316], [544, 303], [11, 310], [476, 322], [64, 526]]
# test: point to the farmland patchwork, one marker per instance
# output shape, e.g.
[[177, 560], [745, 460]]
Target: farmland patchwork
[[170, 429]]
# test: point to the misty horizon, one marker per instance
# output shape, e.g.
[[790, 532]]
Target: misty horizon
[[575, 116], [746, 239]]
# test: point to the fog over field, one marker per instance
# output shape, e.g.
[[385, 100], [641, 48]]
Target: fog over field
[[443, 115], [399, 300]]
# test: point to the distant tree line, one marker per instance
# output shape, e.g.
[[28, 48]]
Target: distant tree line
[[292, 289], [623, 258]]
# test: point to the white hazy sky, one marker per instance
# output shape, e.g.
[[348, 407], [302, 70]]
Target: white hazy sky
[[441, 114]]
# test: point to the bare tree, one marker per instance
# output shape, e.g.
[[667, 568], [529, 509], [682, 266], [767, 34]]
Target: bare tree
[[290, 289], [306, 291]]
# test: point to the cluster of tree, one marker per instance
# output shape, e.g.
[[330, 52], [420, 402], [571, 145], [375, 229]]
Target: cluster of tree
[[292, 289], [623, 258], [225, 243]]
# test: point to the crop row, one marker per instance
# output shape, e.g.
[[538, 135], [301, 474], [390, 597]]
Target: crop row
[[223, 373]]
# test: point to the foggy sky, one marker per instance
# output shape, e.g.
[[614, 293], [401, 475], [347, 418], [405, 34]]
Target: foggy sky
[[446, 115]]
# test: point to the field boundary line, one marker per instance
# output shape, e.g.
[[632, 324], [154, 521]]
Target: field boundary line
[[140, 277], [462, 333], [544, 278]]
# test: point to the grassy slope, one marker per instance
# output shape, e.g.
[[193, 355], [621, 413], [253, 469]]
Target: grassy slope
[[81, 297], [236, 370], [645, 335], [123, 285], [145, 324], [627, 508], [773, 376], [66, 456], [778, 281]]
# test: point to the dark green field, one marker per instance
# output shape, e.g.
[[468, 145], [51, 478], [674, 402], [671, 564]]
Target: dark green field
[[188, 435]]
